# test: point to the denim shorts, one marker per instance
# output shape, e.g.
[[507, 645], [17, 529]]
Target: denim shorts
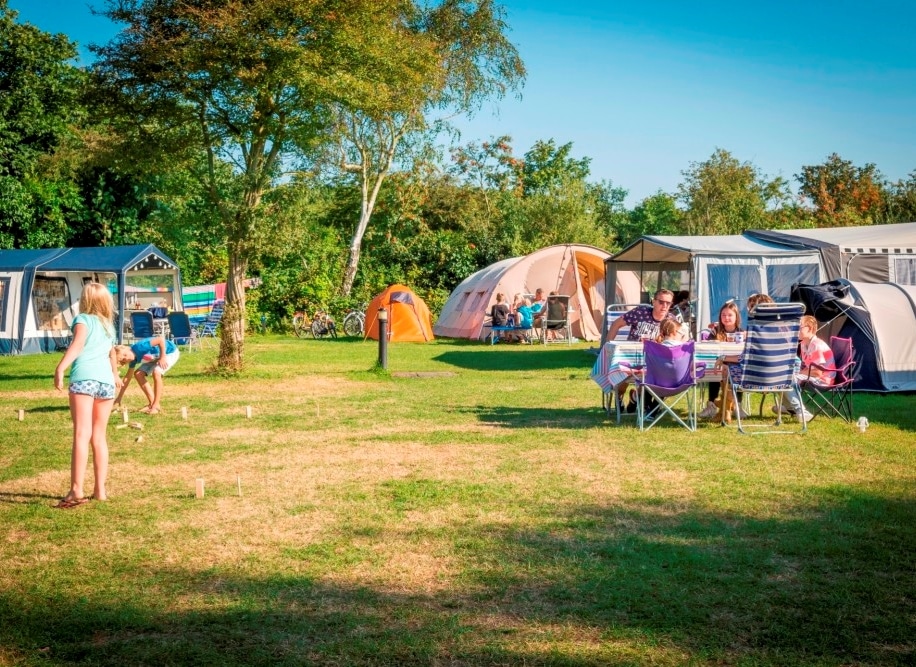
[[98, 390]]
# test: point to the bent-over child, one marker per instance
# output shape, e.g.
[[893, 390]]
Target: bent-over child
[[150, 356]]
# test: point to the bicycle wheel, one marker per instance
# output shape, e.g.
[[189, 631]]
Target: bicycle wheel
[[318, 329], [299, 325], [353, 325]]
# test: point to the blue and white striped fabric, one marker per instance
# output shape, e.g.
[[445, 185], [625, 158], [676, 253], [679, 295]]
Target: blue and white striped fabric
[[770, 358]]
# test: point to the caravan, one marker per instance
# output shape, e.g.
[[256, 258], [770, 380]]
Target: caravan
[[40, 290]]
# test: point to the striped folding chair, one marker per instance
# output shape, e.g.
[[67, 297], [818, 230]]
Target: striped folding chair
[[769, 363]]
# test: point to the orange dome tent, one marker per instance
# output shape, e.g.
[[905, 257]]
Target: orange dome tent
[[409, 320]]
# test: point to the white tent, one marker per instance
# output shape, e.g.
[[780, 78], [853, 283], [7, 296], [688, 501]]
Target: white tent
[[573, 270], [40, 289], [715, 269], [870, 254], [872, 315]]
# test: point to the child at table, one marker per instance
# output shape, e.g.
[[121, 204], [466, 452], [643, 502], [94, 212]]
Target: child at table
[[812, 350], [669, 333], [728, 324], [524, 319]]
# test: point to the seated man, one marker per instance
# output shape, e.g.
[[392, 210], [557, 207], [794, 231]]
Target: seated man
[[554, 317]]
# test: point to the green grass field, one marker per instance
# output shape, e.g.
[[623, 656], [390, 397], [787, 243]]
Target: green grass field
[[474, 506]]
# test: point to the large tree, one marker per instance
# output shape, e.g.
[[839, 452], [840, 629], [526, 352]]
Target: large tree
[[842, 193], [725, 196], [458, 55], [901, 201], [39, 113], [250, 83]]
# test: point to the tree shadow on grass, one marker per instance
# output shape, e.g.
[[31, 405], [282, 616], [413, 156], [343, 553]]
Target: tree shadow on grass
[[518, 417], [827, 584], [518, 358]]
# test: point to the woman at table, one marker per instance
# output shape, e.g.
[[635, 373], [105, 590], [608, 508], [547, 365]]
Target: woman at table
[[728, 324]]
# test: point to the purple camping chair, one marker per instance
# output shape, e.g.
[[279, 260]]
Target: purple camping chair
[[669, 375]]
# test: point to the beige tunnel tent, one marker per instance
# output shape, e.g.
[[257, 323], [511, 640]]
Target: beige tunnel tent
[[573, 270]]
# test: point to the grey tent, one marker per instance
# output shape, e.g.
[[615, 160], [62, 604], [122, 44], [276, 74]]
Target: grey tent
[[715, 269], [868, 254], [40, 289]]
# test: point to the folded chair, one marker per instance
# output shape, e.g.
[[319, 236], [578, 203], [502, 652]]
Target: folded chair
[[669, 375], [141, 324], [556, 320], [834, 400], [209, 327], [182, 333], [769, 362]]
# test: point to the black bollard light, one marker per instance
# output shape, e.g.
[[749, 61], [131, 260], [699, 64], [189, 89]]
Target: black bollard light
[[383, 338]]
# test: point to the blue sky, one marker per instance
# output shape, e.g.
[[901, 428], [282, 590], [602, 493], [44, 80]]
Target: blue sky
[[645, 89]]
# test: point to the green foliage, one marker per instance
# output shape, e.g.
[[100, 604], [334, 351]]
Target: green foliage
[[39, 107], [40, 94], [725, 196], [901, 200], [548, 169], [656, 215]]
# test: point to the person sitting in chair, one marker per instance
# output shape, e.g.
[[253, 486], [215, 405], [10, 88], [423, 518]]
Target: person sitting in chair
[[500, 313], [554, 317]]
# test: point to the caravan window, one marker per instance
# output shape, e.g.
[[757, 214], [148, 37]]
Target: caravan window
[[4, 290], [50, 297], [781, 277], [905, 271]]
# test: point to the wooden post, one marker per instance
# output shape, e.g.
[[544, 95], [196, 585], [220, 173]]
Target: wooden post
[[184, 413], [248, 411], [200, 487], [22, 415]]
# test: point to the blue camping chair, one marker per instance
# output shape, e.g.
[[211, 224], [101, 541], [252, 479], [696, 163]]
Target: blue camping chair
[[769, 362], [669, 375], [181, 331], [210, 326], [141, 324]]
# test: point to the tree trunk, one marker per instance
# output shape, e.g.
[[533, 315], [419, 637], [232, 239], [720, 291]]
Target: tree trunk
[[232, 336], [352, 261]]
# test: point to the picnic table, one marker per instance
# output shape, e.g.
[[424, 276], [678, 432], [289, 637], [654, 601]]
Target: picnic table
[[608, 373]]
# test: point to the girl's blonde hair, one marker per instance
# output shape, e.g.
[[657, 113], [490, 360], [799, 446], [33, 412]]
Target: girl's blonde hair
[[96, 300], [809, 321], [667, 329], [123, 354]]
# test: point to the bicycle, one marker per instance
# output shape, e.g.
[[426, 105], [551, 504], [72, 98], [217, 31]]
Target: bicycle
[[321, 324], [354, 323]]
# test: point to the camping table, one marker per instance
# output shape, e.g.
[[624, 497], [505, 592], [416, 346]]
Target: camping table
[[608, 373]]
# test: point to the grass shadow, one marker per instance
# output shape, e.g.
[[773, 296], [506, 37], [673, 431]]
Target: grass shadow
[[684, 584], [519, 417], [517, 358]]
